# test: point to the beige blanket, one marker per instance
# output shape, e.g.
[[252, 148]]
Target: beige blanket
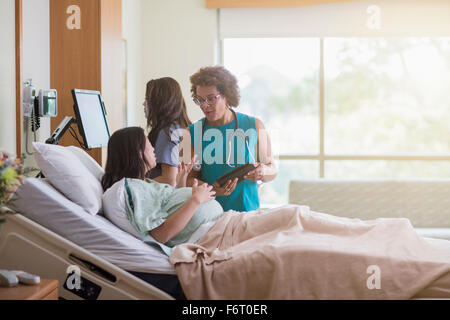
[[294, 253]]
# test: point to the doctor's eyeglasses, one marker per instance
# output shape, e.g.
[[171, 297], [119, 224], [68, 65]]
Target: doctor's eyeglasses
[[209, 100]]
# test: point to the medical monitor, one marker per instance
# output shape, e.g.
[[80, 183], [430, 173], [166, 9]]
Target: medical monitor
[[91, 119]]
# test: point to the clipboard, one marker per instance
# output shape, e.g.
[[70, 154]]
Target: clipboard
[[239, 173]]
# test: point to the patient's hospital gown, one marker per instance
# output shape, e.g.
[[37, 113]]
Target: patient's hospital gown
[[150, 203]]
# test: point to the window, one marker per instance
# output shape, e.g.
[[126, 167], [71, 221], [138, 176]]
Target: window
[[347, 107]]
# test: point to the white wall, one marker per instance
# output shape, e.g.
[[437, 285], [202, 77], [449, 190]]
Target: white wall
[[178, 37], [7, 76], [36, 58], [35, 63], [132, 33]]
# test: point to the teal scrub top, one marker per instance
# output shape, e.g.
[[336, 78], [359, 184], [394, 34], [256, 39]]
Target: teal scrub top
[[218, 149]]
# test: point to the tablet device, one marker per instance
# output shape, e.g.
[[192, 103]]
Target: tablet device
[[239, 173]]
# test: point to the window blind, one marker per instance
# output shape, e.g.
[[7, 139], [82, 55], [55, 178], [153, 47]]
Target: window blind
[[347, 19], [265, 3]]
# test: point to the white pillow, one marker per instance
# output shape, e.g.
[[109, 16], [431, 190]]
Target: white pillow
[[68, 174], [88, 162], [114, 208]]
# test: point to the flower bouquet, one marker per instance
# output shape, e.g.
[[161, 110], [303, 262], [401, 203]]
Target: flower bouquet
[[11, 175]]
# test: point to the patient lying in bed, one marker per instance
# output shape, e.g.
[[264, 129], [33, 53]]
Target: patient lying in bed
[[285, 253], [149, 204], [170, 215]]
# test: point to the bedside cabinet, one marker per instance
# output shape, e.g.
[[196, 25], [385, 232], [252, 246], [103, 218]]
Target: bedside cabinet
[[45, 290]]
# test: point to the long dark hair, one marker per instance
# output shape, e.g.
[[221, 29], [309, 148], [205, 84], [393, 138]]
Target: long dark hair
[[165, 107], [125, 157]]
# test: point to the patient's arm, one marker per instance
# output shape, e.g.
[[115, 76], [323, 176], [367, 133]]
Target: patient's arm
[[177, 221]]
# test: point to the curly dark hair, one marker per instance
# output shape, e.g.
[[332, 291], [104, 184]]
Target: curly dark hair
[[219, 77]]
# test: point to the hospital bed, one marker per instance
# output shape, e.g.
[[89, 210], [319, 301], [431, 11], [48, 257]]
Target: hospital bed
[[55, 237], [51, 236]]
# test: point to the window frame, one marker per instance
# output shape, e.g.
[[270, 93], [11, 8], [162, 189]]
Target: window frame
[[322, 157]]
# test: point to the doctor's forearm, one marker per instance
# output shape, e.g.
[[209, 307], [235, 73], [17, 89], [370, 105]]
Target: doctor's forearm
[[270, 172]]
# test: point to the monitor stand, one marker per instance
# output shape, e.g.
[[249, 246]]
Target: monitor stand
[[59, 132]]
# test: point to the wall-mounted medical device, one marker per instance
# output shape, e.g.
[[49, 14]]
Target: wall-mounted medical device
[[29, 97], [45, 104], [35, 106], [48, 103]]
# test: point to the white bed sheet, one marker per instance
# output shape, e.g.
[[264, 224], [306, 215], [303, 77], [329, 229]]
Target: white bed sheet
[[39, 201]]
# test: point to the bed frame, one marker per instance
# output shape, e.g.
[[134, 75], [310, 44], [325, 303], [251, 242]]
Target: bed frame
[[26, 245], [54, 257]]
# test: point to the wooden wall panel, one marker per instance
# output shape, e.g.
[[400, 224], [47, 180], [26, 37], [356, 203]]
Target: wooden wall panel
[[74, 58], [88, 58]]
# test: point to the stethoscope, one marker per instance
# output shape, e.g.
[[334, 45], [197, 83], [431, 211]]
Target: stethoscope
[[239, 133]]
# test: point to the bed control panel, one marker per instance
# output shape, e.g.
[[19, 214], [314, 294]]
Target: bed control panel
[[83, 288]]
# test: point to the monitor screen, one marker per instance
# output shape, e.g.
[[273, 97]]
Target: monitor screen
[[91, 118]]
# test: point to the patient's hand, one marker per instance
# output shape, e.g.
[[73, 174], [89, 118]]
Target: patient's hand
[[202, 193]]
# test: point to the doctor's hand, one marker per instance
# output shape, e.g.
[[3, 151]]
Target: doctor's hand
[[226, 189], [256, 174]]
